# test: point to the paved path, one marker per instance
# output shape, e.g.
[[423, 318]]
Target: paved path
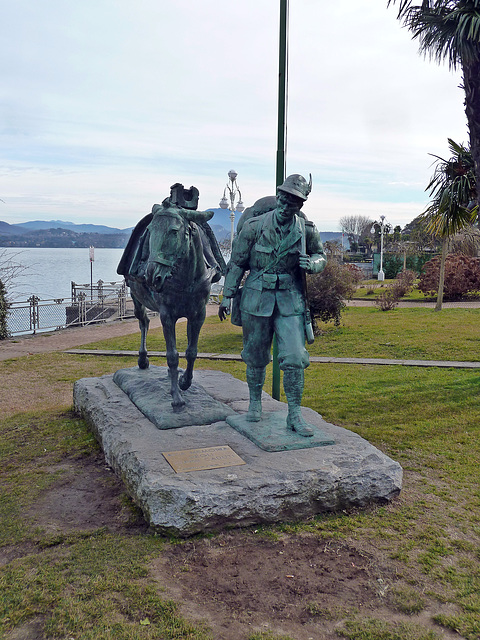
[[63, 339], [471, 304]]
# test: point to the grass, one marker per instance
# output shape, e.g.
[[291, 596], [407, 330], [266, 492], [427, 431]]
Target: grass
[[372, 629], [97, 584], [94, 588], [371, 289], [452, 334]]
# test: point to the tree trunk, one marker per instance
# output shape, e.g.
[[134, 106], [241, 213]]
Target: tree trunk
[[471, 85], [441, 275]]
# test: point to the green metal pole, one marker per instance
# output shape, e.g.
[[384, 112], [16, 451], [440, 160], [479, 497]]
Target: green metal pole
[[280, 167]]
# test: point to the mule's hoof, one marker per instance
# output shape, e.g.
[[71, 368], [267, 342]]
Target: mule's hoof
[[184, 383], [143, 362], [178, 405]]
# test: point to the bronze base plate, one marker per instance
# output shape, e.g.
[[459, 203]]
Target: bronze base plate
[[271, 433], [202, 459]]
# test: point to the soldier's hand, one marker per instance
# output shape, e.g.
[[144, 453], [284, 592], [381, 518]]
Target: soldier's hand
[[304, 262], [224, 308]]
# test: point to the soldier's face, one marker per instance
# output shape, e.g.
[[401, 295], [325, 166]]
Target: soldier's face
[[287, 206]]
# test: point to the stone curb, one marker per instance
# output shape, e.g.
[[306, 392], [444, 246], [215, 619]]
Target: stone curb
[[455, 364]]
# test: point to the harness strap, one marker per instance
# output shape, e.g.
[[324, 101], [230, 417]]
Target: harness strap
[[164, 261], [276, 260]]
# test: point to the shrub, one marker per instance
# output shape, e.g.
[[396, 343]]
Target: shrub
[[402, 285], [392, 264], [328, 290], [417, 262], [355, 272], [388, 299], [462, 277], [3, 312], [404, 282]]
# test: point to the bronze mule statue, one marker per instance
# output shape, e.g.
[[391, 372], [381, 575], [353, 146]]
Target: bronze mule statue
[[169, 263]]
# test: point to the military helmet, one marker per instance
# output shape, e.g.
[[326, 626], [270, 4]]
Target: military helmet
[[297, 186]]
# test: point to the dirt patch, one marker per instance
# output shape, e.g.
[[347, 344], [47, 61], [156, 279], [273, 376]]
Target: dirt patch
[[31, 630], [301, 586], [238, 582], [87, 496]]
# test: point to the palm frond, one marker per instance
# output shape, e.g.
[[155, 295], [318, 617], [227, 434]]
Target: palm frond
[[445, 29], [452, 188]]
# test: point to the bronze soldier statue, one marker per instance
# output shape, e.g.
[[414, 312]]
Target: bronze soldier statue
[[276, 248]]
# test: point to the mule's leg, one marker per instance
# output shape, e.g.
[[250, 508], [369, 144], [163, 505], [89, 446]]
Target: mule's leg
[[144, 321], [168, 326], [194, 326]]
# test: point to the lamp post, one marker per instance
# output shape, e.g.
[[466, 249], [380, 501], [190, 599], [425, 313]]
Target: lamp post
[[382, 225], [92, 258], [233, 190]]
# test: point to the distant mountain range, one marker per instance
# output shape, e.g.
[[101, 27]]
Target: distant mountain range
[[59, 233], [42, 225]]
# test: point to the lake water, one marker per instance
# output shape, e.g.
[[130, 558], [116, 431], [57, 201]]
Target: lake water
[[49, 272]]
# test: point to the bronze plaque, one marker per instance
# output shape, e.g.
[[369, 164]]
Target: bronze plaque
[[200, 459]]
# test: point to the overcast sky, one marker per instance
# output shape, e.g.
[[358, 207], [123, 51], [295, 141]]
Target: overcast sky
[[106, 103]]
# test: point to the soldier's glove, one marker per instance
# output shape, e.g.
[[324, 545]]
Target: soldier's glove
[[224, 308]]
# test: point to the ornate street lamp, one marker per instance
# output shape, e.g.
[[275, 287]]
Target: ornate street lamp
[[382, 225], [233, 191]]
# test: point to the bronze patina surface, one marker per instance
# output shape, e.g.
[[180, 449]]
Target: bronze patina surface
[[276, 248], [149, 390], [169, 263], [271, 433]]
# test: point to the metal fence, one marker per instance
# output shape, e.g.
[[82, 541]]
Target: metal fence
[[89, 304]]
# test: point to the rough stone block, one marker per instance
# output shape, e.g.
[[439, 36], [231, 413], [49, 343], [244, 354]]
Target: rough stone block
[[270, 487]]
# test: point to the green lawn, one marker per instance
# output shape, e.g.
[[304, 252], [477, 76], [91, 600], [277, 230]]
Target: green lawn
[[373, 288], [97, 584], [452, 334]]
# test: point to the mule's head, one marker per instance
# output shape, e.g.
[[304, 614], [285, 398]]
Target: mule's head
[[168, 244]]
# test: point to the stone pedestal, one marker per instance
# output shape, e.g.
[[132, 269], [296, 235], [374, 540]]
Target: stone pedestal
[[270, 487]]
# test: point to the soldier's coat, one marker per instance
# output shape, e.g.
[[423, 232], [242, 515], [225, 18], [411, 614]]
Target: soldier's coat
[[271, 255]]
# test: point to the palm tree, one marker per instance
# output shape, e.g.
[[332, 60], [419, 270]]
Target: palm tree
[[450, 30], [453, 191]]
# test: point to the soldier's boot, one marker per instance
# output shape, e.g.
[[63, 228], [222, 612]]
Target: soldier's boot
[[293, 383], [255, 380]]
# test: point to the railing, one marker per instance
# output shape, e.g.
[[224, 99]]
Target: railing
[[216, 293], [98, 291], [89, 304], [101, 304]]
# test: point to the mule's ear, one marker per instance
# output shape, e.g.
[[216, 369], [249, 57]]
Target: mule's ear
[[198, 216]]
